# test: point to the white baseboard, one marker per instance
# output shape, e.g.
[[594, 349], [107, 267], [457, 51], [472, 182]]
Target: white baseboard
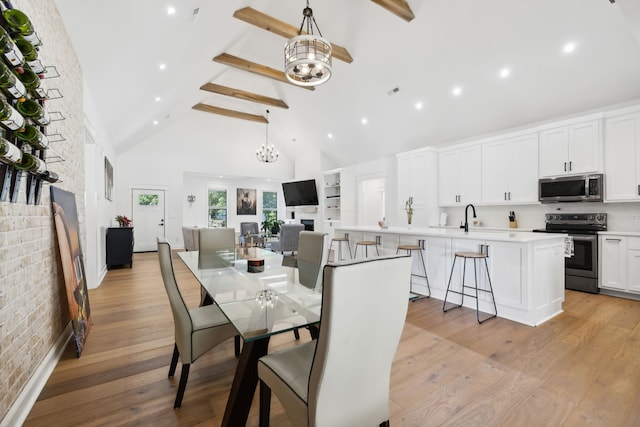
[[27, 398]]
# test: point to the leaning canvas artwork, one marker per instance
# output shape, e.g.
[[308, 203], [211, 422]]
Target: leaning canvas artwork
[[65, 216]]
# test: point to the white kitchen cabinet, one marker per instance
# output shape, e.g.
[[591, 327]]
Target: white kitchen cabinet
[[613, 262], [622, 157], [620, 263], [417, 178], [510, 170], [571, 149], [459, 176]]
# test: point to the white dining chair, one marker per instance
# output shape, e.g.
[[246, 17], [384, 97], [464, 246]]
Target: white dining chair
[[342, 378], [197, 330]]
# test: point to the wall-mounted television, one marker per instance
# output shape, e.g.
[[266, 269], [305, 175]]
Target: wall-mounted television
[[300, 193]]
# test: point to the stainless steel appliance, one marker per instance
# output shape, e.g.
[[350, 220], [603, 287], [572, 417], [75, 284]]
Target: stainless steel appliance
[[578, 188], [581, 269]]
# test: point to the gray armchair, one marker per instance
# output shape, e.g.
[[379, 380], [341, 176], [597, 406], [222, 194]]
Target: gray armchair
[[250, 232], [289, 236]]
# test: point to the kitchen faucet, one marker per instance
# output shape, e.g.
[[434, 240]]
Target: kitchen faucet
[[466, 220]]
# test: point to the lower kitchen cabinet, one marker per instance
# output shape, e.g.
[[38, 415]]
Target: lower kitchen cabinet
[[619, 262], [119, 246]]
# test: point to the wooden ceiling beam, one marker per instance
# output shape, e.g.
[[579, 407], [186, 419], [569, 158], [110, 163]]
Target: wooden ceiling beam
[[255, 68], [397, 7], [266, 22], [244, 95], [229, 113]]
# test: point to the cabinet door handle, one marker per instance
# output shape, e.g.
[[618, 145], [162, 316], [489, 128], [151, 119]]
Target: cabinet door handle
[[505, 195], [638, 190], [565, 166], [570, 166], [509, 195], [613, 240]]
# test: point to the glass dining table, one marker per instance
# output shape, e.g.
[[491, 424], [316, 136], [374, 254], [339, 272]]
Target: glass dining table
[[258, 304]]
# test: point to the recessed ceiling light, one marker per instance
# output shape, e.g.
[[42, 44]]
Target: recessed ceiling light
[[505, 72], [158, 99], [155, 122], [457, 91], [569, 47], [364, 120], [171, 10], [330, 135], [162, 66], [419, 105]]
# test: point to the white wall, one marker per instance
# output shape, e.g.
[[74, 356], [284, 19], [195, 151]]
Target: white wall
[[160, 162], [100, 212], [195, 214]]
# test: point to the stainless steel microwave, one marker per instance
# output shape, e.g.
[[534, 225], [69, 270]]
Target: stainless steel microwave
[[577, 188]]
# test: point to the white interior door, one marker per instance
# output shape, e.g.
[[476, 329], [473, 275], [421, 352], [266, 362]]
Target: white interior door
[[148, 218]]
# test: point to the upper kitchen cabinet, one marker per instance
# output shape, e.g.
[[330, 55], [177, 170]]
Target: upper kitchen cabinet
[[459, 176], [622, 156], [572, 148], [417, 173], [510, 170]]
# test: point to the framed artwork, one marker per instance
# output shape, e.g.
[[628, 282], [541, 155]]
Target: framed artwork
[[246, 201], [108, 179], [65, 217]]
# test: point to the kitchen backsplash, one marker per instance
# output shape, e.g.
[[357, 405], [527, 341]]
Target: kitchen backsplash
[[621, 216]]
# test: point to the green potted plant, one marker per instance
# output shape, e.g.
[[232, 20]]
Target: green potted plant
[[271, 225]]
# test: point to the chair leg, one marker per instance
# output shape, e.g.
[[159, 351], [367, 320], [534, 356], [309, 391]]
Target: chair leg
[[385, 424], [296, 333], [236, 345], [183, 384], [265, 404], [174, 361]]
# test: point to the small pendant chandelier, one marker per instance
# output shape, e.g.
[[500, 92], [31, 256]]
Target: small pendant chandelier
[[307, 58], [267, 153]]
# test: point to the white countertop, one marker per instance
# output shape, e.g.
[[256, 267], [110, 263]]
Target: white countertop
[[620, 233], [473, 234]]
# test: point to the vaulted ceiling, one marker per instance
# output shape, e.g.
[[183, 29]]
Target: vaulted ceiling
[[401, 79]]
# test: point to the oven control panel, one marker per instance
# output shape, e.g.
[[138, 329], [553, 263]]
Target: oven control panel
[[599, 219]]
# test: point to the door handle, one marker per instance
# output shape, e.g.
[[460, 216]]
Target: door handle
[[570, 166], [509, 195], [613, 240], [505, 195], [565, 166], [162, 222]]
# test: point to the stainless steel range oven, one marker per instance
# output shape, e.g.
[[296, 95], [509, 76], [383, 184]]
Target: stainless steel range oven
[[581, 269]]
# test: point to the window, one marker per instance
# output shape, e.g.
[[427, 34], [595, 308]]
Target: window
[[269, 205], [148, 200], [217, 208]]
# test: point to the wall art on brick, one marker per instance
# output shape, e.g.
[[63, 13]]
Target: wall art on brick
[[65, 215]]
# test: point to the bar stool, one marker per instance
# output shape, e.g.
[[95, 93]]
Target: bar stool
[[474, 256], [366, 244], [340, 241], [410, 249]]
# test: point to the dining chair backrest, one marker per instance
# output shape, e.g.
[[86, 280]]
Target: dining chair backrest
[[216, 239], [364, 306], [181, 318], [309, 258], [289, 237], [249, 228], [190, 238]]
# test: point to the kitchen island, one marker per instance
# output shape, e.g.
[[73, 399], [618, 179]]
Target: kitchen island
[[527, 269]]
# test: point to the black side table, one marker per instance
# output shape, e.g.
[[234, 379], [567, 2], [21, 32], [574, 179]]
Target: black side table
[[119, 246]]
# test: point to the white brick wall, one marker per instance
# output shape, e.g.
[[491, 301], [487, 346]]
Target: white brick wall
[[33, 305]]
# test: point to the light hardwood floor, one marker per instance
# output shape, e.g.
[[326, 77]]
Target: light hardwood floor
[[581, 368]]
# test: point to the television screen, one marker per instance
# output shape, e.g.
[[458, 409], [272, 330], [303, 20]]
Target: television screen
[[300, 193]]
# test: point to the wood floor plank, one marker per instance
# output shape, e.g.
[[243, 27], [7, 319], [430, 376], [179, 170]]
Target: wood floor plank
[[580, 368]]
